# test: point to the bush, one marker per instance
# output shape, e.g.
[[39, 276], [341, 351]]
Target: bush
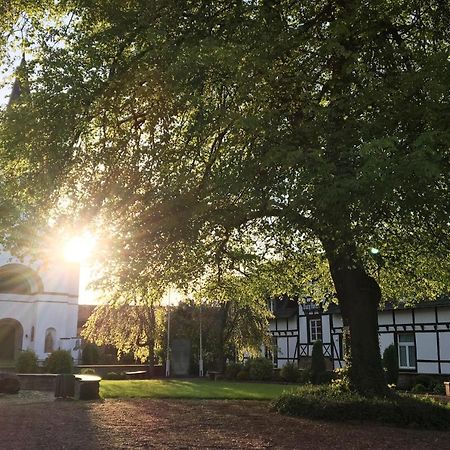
[[426, 380], [439, 389], [390, 363], [290, 373], [305, 376], [329, 403], [232, 370], [27, 362], [242, 375], [115, 376], [90, 354], [60, 361], [260, 369], [317, 363], [419, 389]]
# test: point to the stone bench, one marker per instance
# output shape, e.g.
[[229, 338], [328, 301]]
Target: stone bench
[[87, 387], [136, 375], [214, 375], [80, 387]]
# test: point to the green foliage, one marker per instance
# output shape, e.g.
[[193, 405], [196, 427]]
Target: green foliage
[[318, 367], [115, 376], [259, 369], [290, 372], [426, 381], [419, 388], [90, 354], [27, 362], [88, 371], [264, 143], [390, 363], [439, 388], [232, 370], [131, 321], [60, 361], [341, 380], [328, 403], [242, 375]]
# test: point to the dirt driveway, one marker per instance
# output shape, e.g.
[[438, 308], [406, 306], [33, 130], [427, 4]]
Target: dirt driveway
[[187, 424]]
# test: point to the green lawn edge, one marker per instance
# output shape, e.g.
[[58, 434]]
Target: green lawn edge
[[192, 389]]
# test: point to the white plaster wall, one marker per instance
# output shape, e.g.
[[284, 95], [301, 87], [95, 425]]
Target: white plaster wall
[[444, 314], [326, 336], [303, 330], [61, 278], [282, 347], [424, 315], [292, 345], [385, 318], [337, 320], [56, 308], [444, 344], [386, 339], [292, 323], [403, 316], [426, 346], [427, 368]]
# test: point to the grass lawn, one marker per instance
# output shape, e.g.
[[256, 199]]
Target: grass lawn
[[190, 388]]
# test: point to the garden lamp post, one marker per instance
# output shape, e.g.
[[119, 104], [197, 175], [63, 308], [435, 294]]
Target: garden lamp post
[[168, 338], [200, 359]]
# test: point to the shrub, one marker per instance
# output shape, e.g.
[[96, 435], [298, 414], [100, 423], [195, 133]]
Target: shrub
[[305, 376], [290, 373], [276, 375], [439, 389], [115, 376], [242, 375], [232, 370], [419, 389], [60, 361], [390, 363], [90, 354], [260, 369], [329, 403], [317, 362], [27, 362]]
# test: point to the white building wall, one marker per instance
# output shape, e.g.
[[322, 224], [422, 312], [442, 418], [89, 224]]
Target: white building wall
[[386, 339], [55, 307]]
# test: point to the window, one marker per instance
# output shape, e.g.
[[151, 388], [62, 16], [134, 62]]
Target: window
[[406, 351], [271, 352], [315, 329], [50, 338]]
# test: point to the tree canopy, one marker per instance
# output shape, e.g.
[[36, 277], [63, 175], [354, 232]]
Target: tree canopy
[[213, 138]]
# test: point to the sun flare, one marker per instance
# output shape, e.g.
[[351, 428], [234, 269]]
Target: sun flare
[[78, 249]]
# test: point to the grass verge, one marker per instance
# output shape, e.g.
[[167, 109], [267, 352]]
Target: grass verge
[[194, 389], [329, 403]]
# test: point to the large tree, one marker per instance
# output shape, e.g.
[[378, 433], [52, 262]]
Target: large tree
[[209, 138]]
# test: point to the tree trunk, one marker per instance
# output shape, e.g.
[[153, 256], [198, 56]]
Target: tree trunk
[[359, 296]]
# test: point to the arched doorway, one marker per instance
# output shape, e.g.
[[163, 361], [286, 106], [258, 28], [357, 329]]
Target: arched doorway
[[19, 279], [11, 335]]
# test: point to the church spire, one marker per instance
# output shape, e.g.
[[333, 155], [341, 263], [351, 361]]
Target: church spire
[[21, 84]]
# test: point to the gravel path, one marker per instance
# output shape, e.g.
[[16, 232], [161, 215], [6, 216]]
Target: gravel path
[[188, 424]]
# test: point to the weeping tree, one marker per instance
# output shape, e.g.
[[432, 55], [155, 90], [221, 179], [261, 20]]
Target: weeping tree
[[211, 138], [132, 323]]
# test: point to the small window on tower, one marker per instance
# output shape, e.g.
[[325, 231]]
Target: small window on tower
[[50, 339]]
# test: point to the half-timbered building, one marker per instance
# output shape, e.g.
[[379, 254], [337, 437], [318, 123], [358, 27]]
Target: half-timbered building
[[421, 334]]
